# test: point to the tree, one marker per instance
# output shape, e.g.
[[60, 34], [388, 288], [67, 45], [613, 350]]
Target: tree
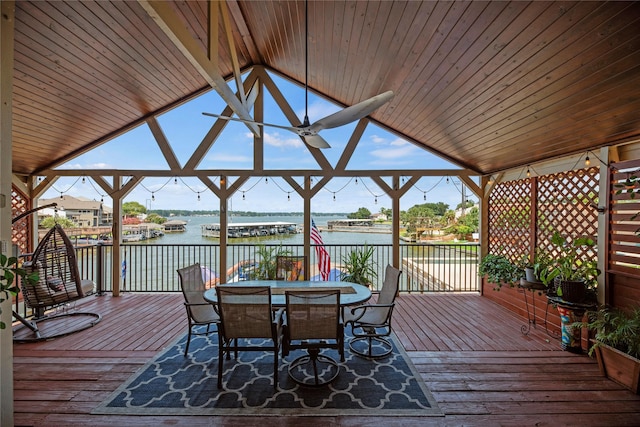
[[133, 208], [50, 221], [156, 219], [362, 213]]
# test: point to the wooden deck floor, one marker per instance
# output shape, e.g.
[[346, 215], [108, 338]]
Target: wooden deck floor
[[469, 350]]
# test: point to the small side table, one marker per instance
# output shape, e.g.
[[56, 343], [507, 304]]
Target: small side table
[[570, 312], [534, 287]]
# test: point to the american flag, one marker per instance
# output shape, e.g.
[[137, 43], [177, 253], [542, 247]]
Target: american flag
[[324, 261]]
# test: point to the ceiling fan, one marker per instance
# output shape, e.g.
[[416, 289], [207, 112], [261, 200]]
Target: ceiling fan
[[308, 131]]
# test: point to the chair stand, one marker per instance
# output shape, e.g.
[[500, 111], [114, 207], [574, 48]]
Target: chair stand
[[313, 369], [54, 326], [373, 347]]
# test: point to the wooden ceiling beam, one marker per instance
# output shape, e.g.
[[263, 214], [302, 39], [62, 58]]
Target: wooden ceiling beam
[[167, 20]]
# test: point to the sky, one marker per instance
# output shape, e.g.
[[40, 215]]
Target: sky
[[185, 127]]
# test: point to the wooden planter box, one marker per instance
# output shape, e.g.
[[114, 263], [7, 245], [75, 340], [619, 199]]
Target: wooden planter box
[[619, 366]]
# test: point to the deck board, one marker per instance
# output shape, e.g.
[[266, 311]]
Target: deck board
[[467, 348]]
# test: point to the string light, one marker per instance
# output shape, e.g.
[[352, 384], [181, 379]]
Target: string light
[[491, 180], [447, 179], [175, 181], [153, 197], [83, 180], [356, 180], [266, 180], [61, 197], [376, 200], [243, 195], [424, 196], [101, 199], [288, 197], [334, 197], [198, 196], [587, 161], [528, 172]]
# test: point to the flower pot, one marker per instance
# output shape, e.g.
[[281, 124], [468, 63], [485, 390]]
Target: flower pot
[[619, 366], [572, 291], [529, 275]]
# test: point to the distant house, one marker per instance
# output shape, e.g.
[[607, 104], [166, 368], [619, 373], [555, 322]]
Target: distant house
[[379, 216], [83, 212]]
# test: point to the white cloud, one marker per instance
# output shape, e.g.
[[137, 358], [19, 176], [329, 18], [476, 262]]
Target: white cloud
[[276, 140], [397, 149]]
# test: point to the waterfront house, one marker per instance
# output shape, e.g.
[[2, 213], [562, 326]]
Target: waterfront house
[[535, 103]]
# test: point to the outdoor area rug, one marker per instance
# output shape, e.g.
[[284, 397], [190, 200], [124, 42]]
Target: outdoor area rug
[[173, 384]]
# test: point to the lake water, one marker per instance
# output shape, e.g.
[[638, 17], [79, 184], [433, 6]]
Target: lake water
[[193, 235]]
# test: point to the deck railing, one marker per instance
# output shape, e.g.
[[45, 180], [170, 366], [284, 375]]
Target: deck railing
[[152, 268]]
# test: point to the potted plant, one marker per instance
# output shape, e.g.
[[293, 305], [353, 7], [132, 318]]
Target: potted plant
[[9, 270], [500, 270], [358, 266], [266, 266], [542, 262], [616, 344], [574, 278]]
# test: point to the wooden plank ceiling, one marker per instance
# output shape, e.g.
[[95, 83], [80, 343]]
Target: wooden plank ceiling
[[488, 85]]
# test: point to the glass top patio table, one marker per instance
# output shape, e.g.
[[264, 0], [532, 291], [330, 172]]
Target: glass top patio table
[[350, 293]]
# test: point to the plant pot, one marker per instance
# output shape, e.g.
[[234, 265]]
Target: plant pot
[[619, 366], [572, 291], [529, 275]]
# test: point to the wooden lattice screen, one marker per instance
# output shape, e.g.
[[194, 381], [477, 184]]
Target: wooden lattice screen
[[523, 214], [21, 230], [510, 219], [568, 203]]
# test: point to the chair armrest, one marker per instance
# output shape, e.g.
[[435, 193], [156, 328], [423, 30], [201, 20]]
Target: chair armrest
[[364, 308]]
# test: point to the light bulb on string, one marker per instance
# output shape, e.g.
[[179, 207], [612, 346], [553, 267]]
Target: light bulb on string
[[334, 197], [61, 196], [266, 180], [153, 197], [376, 200], [101, 199], [447, 180], [528, 173], [83, 180], [243, 195], [424, 196], [587, 161], [356, 180], [402, 179], [198, 196], [175, 181], [288, 197]]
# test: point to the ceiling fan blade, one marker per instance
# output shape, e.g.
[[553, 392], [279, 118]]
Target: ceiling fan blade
[[352, 113], [236, 119], [316, 141]]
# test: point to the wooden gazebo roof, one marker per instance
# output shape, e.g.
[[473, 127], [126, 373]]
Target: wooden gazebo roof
[[488, 85]]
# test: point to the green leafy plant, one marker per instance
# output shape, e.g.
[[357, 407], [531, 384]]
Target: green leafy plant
[[500, 270], [616, 328], [267, 263], [359, 266], [9, 270], [568, 265]]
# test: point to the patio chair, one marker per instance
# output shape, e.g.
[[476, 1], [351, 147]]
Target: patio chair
[[246, 313], [59, 283], [313, 322], [291, 267], [199, 311], [371, 323]]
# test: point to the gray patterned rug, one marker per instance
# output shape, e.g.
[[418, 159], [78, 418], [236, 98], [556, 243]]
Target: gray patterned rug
[[172, 384]]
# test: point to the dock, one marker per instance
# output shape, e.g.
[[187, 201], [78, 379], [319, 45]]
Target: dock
[[251, 229]]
